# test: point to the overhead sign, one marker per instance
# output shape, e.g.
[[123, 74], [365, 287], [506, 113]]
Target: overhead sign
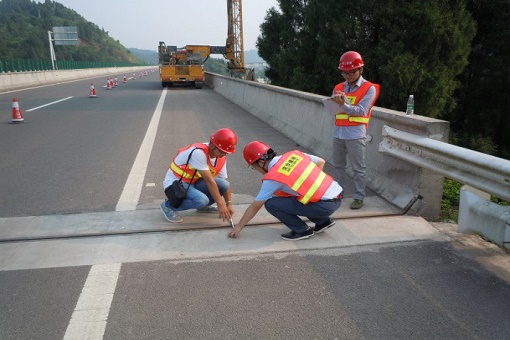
[[65, 35]]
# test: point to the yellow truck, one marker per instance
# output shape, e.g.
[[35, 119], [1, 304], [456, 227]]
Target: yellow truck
[[185, 64]]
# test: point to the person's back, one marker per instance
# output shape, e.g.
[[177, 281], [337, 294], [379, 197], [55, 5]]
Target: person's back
[[293, 185]]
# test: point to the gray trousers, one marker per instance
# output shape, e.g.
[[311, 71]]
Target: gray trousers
[[354, 152]]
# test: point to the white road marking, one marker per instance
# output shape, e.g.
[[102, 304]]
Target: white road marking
[[131, 194], [58, 101], [91, 312]]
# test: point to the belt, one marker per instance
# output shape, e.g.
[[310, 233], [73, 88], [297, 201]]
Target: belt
[[336, 199]]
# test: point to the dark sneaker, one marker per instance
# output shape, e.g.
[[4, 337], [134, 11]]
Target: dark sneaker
[[293, 236], [356, 204], [319, 228], [208, 209], [170, 215]]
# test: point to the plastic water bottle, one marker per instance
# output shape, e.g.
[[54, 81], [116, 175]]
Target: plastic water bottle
[[410, 106]]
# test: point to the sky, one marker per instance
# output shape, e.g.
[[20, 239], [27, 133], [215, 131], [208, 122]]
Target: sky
[[143, 24]]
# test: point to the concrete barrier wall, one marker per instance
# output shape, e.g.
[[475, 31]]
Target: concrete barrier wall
[[18, 80], [302, 118]]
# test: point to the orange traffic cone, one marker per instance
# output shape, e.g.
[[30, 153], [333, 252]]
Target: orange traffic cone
[[116, 82], [134, 76], [17, 115], [125, 79], [108, 84], [92, 91]]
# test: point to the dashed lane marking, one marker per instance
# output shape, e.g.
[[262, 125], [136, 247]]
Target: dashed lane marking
[[91, 312], [57, 101]]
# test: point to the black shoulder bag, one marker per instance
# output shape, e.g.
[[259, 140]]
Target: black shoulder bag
[[176, 192]]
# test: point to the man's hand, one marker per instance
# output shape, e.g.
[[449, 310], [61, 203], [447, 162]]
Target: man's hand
[[224, 212], [234, 232], [250, 212], [339, 98], [230, 209]]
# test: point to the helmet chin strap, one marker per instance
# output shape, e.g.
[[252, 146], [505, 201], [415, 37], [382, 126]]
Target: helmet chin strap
[[267, 158], [264, 167]]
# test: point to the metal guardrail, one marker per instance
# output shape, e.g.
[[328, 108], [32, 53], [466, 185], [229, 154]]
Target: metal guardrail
[[28, 65], [487, 173]]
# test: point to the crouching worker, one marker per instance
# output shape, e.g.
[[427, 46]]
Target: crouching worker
[[202, 169], [293, 185]]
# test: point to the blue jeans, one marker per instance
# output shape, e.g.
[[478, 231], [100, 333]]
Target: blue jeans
[[288, 210], [198, 195]]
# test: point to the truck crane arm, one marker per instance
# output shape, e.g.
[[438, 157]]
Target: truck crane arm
[[234, 45]]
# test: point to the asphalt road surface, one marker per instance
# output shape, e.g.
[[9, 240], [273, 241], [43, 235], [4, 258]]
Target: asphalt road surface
[[73, 156]]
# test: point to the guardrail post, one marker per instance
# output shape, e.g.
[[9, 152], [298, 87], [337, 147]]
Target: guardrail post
[[477, 214]]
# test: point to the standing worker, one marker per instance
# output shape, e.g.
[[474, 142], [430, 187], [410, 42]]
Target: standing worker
[[355, 97], [202, 167], [300, 186]]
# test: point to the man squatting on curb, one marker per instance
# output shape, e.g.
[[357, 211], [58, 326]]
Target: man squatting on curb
[[293, 185], [203, 169]]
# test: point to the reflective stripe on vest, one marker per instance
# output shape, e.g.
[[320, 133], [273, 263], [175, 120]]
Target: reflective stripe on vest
[[187, 171], [298, 172], [344, 119], [352, 119], [186, 177]]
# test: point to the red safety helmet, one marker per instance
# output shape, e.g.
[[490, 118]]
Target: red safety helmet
[[254, 151], [350, 61], [225, 140]]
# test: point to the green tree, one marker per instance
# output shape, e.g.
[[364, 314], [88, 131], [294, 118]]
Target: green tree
[[422, 53], [481, 121], [279, 43], [216, 65]]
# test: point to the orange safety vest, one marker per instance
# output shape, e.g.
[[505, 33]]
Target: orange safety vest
[[342, 118], [296, 170], [186, 170]]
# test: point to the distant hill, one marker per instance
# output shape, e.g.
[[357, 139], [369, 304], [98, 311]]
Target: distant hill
[[147, 56], [24, 27], [252, 56]]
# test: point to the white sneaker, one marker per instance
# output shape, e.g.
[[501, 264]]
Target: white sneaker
[[170, 215]]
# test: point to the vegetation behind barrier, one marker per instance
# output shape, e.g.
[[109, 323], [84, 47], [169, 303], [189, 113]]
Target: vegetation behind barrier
[[451, 55]]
